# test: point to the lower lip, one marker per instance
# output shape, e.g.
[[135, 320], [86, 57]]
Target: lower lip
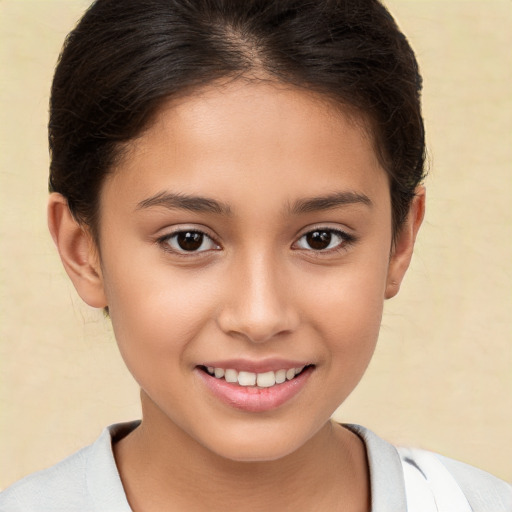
[[254, 399]]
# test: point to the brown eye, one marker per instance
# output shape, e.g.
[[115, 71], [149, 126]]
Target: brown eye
[[324, 240], [319, 240], [190, 241]]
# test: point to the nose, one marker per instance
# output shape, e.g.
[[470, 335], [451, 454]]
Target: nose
[[259, 302]]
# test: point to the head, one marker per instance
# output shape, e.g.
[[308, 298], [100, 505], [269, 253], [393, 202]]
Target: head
[[122, 63], [285, 140]]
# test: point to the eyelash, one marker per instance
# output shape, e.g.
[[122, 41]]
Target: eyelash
[[165, 242], [346, 240]]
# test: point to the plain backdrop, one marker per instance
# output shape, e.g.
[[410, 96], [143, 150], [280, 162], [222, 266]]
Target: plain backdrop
[[441, 378]]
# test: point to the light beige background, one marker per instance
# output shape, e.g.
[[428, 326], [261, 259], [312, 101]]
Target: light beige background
[[441, 378]]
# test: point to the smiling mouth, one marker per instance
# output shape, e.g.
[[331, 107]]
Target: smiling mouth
[[251, 379]]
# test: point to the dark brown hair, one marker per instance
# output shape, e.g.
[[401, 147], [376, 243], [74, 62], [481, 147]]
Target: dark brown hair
[[126, 58]]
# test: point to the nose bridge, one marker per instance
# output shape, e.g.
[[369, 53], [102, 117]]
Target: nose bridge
[[258, 305]]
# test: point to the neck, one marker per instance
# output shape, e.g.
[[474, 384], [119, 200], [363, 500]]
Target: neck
[[162, 468]]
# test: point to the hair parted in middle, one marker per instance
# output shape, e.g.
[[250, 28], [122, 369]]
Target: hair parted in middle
[[124, 60]]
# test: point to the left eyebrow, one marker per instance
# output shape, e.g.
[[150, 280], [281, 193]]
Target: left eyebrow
[[329, 201], [173, 201]]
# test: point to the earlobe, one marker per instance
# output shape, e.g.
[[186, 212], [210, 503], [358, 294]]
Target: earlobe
[[77, 252], [404, 244]]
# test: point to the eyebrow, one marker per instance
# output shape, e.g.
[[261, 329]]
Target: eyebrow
[[329, 201], [174, 201], [199, 204]]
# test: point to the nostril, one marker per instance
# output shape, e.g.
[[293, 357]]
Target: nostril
[[256, 327], [257, 306]]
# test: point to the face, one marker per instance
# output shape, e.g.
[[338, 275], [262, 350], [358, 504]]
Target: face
[[245, 244]]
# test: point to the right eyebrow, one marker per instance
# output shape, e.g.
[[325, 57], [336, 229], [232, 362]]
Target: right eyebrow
[[174, 201]]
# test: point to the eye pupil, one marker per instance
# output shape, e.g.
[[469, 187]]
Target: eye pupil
[[319, 239], [190, 240]]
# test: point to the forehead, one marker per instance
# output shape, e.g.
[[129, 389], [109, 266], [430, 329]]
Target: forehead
[[239, 141]]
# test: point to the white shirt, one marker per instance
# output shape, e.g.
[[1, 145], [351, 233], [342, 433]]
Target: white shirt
[[401, 481]]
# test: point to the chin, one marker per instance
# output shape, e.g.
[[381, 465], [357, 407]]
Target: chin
[[257, 453], [260, 444]]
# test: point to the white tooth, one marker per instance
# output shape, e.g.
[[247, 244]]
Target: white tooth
[[280, 376], [211, 370], [246, 378], [231, 375], [298, 370], [290, 373], [219, 373], [266, 380]]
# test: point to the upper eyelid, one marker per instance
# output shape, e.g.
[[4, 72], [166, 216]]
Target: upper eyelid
[[348, 239], [303, 232], [168, 235], [171, 231], [323, 227]]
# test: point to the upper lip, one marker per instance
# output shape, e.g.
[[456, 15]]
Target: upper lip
[[261, 366]]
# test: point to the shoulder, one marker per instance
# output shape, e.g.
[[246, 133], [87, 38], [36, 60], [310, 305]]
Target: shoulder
[[447, 479], [84, 482], [65, 483], [425, 481]]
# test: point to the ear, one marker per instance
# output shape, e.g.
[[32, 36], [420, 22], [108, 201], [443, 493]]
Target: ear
[[401, 253], [77, 251]]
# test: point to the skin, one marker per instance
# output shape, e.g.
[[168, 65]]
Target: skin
[[257, 291]]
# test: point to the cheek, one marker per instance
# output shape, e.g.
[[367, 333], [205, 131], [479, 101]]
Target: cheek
[[156, 308], [346, 310]]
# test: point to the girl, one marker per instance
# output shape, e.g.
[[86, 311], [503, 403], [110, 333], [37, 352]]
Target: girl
[[238, 185]]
